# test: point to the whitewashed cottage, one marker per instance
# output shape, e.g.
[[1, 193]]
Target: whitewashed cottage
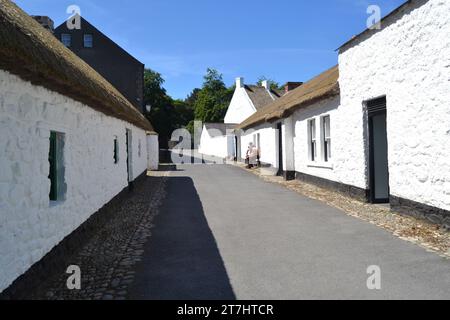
[[218, 139], [395, 91], [71, 143], [280, 138], [377, 126]]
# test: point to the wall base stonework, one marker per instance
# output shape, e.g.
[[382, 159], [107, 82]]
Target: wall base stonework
[[58, 259], [289, 175], [421, 211], [348, 190]]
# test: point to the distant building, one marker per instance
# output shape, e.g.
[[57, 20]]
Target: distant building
[[115, 64], [247, 99], [46, 22]]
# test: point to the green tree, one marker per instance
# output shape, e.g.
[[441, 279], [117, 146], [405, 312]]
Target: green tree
[[213, 98], [192, 97], [166, 114], [162, 110]]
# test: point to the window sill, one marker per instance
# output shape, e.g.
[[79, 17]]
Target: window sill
[[321, 165], [56, 203]]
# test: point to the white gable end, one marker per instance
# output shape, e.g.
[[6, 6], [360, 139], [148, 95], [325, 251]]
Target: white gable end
[[241, 107]]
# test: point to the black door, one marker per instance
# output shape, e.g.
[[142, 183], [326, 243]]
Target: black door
[[378, 151], [280, 150]]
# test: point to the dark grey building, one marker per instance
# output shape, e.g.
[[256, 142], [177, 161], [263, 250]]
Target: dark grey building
[[115, 64]]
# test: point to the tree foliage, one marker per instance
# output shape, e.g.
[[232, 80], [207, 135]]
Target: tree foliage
[[206, 104], [213, 98], [166, 114]]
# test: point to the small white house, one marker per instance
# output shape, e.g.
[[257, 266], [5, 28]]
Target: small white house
[[276, 130], [376, 127], [215, 140], [246, 100], [71, 143]]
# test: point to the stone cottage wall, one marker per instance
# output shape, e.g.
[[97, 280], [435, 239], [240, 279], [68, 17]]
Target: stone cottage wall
[[408, 62], [216, 146], [269, 143], [345, 170], [153, 152], [31, 225]]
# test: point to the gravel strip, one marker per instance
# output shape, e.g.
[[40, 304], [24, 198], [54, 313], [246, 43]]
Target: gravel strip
[[432, 237], [107, 261]]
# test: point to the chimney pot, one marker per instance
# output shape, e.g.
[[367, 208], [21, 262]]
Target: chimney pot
[[266, 84]]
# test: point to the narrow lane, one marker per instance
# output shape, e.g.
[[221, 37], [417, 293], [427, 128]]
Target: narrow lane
[[224, 233]]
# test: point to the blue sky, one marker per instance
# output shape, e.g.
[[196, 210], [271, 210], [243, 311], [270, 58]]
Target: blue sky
[[291, 40]]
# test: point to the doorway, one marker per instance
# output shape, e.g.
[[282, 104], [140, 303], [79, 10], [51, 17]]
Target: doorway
[[280, 150], [378, 151]]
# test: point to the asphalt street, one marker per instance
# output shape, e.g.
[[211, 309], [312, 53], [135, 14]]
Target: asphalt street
[[223, 233]]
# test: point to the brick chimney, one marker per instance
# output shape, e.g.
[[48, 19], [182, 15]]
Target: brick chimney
[[46, 22], [289, 86], [239, 82]]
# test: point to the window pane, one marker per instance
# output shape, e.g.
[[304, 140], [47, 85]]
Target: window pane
[[88, 41], [66, 39], [313, 129], [329, 148], [326, 126]]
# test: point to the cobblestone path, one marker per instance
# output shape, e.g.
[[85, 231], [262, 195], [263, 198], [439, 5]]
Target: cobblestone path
[[108, 259]]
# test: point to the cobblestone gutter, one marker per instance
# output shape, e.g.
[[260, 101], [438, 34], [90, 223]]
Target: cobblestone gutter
[[432, 237], [107, 260]]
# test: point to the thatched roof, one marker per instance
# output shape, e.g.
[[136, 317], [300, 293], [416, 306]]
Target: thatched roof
[[321, 87], [34, 54], [260, 96]]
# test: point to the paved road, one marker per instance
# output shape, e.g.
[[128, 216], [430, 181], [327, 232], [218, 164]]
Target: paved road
[[224, 233]]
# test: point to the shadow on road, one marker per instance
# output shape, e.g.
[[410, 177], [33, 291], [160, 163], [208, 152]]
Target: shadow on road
[[181, 260]]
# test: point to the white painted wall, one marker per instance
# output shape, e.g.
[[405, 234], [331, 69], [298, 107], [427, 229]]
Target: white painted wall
[[153, 152], [336, 169], [216, 146], [268, 138], [409, 62], [30, 226], [241, 107]]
